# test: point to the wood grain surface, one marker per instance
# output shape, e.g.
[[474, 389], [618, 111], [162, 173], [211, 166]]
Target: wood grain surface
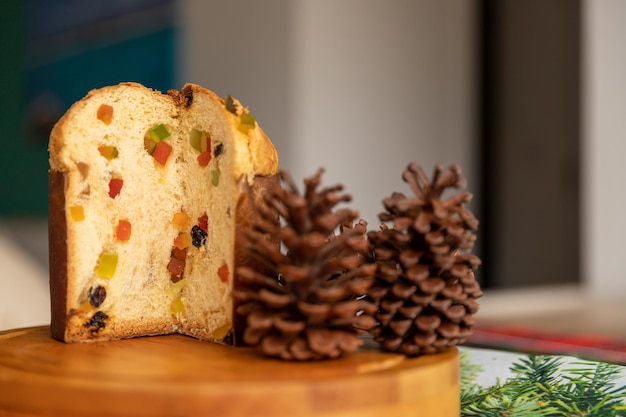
[[180, 376]]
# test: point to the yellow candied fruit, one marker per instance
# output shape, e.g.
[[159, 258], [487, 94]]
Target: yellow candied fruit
[[85, 306], [246, 122], [177, 306], [182, 241], [175, 289], [181, 220], [221, 332], [107, 264], [77, 213]]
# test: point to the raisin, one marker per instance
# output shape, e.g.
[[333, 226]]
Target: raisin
[[97, 321], [188, 97], [198, 236], [219, 149], [97, 295]]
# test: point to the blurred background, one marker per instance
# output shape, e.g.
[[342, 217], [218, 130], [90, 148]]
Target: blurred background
[[527, 96]]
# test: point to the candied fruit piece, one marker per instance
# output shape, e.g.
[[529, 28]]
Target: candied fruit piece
[[177, 306], [149, 145], [77, 213], [122, 231], [105, 114], [215, 177], [222, 273], [204, 158], [115, 187], [159, 132], [200, 141], [109, 152], [203, 222], [182, 241], [85, 306], [195, 139], [179, 253], [221, 332], [175, 289], [246, 122], [180, 220], [161, 152], [97, 295], [107, 263], [176, 267]]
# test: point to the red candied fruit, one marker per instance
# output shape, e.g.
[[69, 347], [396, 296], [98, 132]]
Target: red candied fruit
[[203, 222], [115, 187], [180, 254], [161, 152], [204, 158], [176, 268]]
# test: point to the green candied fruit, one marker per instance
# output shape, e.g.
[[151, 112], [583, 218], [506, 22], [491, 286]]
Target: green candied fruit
[[195, 139], [158, 133], [107, 264], [215, 177]]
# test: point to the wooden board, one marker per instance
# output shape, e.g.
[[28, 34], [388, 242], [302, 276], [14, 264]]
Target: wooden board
[[180, 376]]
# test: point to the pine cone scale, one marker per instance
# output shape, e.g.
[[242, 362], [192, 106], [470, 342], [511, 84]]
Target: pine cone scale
[[425, 277]]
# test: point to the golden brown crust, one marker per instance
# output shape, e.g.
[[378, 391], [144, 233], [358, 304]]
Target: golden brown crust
[[57, 245], [262, 153]]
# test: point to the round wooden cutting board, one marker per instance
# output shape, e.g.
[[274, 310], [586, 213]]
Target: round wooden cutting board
[[180, 376]]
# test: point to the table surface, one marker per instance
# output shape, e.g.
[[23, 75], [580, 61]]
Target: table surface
[[178, 375]]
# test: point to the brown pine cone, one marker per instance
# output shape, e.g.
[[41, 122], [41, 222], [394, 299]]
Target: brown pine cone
[[425, 287], [308, 303]]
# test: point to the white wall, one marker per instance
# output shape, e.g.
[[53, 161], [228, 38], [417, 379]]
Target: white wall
[[360, 87], [604, 149]]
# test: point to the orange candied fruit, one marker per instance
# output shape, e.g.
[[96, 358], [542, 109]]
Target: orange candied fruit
[[77, 213], [222, 272], [122, 231], [109, 152], [182, 241], [181, 220], [105, 113]]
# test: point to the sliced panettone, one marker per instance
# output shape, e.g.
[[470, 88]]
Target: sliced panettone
[[147, 195]]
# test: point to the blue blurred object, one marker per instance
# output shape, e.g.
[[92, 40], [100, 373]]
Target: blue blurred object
[[69, 47]]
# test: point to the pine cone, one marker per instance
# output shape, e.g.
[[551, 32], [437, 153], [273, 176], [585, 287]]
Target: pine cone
[[425, 286], [306, 304]]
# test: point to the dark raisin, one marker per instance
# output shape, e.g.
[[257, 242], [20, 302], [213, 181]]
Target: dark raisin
[[198, 236], [218, 150], [230, 104], [188, 97], [97, 321], [97, 295]]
